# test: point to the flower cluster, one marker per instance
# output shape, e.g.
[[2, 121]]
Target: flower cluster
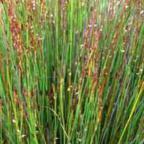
[[15, 29]]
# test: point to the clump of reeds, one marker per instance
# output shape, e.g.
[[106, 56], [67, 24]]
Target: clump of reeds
[[71, 71]]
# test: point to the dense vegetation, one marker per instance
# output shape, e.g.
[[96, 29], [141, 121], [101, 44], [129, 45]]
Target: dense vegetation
[[71, 72]]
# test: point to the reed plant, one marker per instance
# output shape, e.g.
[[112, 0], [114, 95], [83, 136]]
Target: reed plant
[[71, 72]]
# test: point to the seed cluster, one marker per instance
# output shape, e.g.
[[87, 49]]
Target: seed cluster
[[15, 28], [63, 8]]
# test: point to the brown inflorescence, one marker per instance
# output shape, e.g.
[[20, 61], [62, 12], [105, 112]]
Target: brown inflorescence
[[63, 13], [114, 5], [31, 5], [15, 29], [36, 18], [43, 11], [92, 37]]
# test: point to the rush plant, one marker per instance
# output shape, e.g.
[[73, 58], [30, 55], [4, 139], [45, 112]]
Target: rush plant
[[71, 72]]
